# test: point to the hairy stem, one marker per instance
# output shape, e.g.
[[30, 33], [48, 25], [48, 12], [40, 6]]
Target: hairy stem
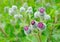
[[39, 35], [3, 32]]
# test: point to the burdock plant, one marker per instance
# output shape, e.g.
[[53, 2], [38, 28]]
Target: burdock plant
[[29, 21]]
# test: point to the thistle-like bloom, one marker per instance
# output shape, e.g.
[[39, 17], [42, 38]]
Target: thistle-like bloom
[[14, 7], [33, 22], [42, 11], [29, 10], [25, 5], [47, 17], [33, 25], [22, 9], [27, 30], [11, 11], [37, 14], [41, 26]]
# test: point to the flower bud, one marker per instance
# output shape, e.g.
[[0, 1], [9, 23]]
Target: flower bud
[[11, 11], [22, 9], [25, 5], [47, 17], [29, 10], [33, 25], [37, 14], [33, 22], [42, 11], [27, 30], [14, 7]]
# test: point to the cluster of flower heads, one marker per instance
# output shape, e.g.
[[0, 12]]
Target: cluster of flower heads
[[40, 13], [34, 25], [18, 12], [37, 25], [27, 9], [13, 11]]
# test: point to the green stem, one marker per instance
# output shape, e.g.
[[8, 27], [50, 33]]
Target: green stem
[[39, 35], [56, 19], [50, 35], [35, 35], [3, 32]]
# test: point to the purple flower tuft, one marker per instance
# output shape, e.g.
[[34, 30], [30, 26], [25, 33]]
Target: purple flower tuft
[[33, 22], [41, 10], [26, 28], [40, 25]]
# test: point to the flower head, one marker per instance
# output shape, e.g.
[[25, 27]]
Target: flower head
[[37, 14], [33, 22], [11, 11], [47, 17], [14, 7], [29, 10], [22, 9], [41, 10], [27, 30], [33, 25], [41, 25], [25, 5]]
